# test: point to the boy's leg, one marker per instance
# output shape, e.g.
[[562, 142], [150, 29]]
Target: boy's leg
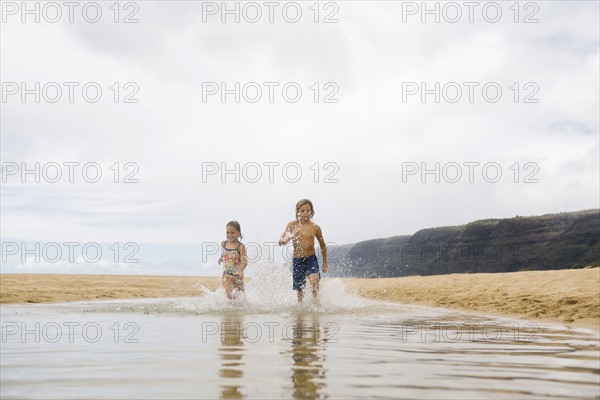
[[299, 278], [314, 276], [314, 283]]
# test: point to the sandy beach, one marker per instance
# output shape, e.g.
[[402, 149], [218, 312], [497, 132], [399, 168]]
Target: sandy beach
[[567, 296], [570, 297]]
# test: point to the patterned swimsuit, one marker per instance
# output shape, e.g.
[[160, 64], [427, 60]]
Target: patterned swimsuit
[[230, 259]]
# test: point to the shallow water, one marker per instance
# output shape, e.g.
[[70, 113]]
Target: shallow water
[[269, 347]]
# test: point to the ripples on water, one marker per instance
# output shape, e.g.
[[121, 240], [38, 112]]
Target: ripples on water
[[267, 346]]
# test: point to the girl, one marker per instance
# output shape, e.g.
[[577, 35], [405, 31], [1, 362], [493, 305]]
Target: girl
[[233, 259]]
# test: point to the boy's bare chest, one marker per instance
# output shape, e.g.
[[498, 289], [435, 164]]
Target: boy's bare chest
[[304, 231]]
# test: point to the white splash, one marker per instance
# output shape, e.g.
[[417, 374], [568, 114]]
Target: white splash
[[270, 291]]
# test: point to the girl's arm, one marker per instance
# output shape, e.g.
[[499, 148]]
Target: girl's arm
[[220, 258], [243, 258], [287, 234]]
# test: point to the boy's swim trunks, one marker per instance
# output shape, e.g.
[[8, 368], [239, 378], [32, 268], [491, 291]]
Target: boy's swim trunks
[[302, 267]]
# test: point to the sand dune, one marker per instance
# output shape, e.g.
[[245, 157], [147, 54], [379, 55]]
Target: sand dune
[[566, 296]]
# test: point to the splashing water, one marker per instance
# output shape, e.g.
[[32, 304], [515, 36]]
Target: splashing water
[[270, 291]]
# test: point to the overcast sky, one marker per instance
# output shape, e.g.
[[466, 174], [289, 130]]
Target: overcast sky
[[365, 141]]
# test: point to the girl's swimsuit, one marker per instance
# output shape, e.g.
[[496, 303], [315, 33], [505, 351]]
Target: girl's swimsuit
[[231, 258]]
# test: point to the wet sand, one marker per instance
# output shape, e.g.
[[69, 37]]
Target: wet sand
[[570, 297], [567, 296]]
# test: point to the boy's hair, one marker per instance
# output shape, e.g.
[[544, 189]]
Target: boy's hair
[[302, 202], [235, 225]]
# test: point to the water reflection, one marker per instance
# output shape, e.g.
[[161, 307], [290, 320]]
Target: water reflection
[[230, 353], [424, 353], [307, 338]]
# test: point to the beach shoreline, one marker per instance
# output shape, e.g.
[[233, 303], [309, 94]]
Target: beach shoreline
[[568, 297]]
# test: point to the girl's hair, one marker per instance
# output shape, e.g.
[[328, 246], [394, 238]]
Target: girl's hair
[[302, 202], [235, 225]]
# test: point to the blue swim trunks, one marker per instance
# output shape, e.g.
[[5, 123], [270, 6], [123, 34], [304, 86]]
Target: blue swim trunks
[[302, 267]]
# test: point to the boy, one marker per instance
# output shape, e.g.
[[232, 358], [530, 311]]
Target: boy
[[303, 232]]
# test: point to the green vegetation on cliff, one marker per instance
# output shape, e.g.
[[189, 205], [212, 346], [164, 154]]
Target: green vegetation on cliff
[[554, 241]]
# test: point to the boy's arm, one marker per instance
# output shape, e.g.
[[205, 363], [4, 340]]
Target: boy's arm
[[323, 248], [287, 235]]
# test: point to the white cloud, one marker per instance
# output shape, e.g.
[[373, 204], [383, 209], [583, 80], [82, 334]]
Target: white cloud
[[170, 133]]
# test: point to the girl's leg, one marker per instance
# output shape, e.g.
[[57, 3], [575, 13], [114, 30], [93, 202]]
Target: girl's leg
[[227, 284], [239, 283]]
